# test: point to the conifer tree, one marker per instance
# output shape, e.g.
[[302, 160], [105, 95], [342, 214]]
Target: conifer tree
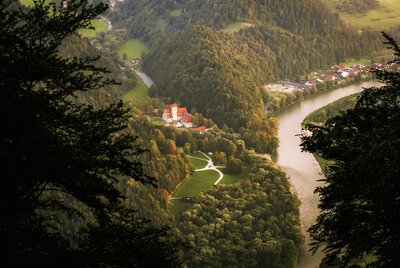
[[56, 152]]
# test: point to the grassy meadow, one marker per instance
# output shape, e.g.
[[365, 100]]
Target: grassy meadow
[[177, 206], [175, 13], [384, 17], [29, 3], [138, 94], [234, 178], [99, 25], [197, 183], [236, 26], [133, 48], [197, 163]]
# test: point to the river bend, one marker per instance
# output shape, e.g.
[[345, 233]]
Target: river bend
[[302, 168]]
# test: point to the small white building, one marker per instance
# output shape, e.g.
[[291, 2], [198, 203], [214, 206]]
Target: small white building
[[174, 114]]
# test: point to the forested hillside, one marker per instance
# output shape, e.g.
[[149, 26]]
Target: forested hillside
[[74, 46], [222, 75]]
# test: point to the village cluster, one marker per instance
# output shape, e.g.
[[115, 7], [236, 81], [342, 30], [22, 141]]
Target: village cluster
[[336, 73], [180, 117]]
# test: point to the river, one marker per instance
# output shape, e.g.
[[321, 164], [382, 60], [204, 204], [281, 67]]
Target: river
[[302, 168]]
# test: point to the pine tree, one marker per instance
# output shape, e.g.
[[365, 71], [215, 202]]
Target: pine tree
[[54, 149]]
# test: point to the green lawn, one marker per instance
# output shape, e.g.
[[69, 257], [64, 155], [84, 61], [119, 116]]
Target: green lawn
[[386, 16], [29, 3], [138, 94], [157, 121], [133, 48], [199, 155], [197, 163], [236, 26], [233, 178], [99, 25], [178, 206], [175, 13], [197, 183]]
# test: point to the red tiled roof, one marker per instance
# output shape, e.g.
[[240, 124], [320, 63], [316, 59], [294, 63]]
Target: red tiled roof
[[202, 128], [182, 111], [188, 118]]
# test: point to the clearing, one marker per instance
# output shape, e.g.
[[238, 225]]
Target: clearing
[[100, 25], [198, 163], [384, 17], [234, 178], [133, 48], [29, 3], [175, 13], [199, 182], [138, 94], [236, 26], [206, 176]]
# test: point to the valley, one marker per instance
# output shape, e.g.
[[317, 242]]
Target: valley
[[210, 99]]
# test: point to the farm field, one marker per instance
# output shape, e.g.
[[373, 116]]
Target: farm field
[[386, 16]]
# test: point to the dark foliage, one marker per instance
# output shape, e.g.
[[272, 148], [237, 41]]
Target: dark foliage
[[51, 144]]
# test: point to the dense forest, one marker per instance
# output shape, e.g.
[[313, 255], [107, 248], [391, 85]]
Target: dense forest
[[233, 98], [254, 223], [152, 21]]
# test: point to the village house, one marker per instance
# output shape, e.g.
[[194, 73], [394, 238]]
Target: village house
[[201, 129], [178, 116], [135, 60]]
